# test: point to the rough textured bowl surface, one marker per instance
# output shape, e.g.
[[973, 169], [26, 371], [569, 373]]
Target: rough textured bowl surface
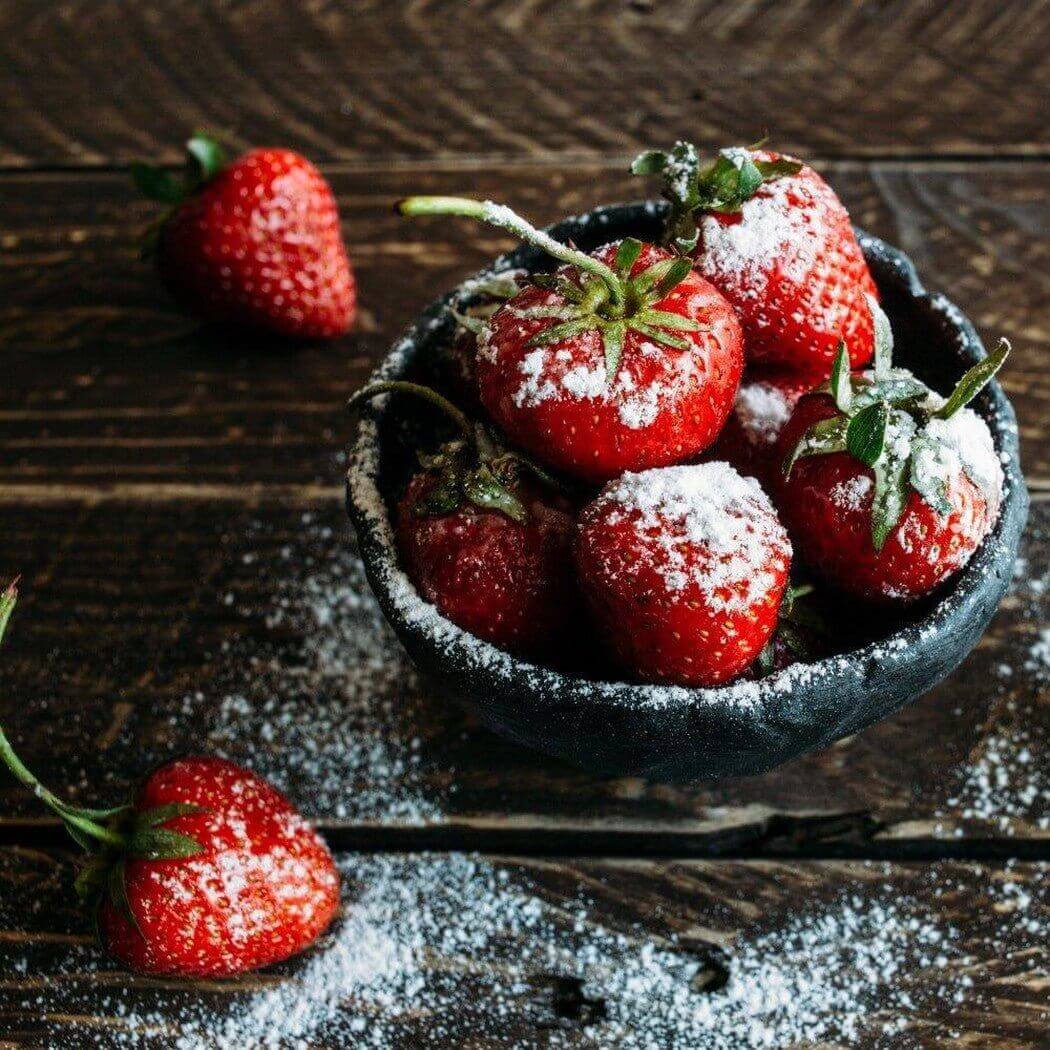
[[667, 732]]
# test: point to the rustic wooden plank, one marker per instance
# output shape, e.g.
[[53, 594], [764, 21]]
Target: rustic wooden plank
[[147, 630], [545, 78], [106, 385], [486, 951]]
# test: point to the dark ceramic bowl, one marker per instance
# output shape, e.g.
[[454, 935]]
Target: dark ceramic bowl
[[669, 732]]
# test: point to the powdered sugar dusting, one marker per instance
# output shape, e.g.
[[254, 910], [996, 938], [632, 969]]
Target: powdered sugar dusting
[[457, 950], [778, 227], [762, 409], [336, 724], [967, 444], [708, 507]]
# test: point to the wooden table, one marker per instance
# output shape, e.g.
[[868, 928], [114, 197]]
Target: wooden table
[[172, 500]]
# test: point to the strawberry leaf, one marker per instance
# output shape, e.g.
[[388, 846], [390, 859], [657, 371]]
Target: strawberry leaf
[[775, 169], [888, 501], [612, 340], [822, 438], [841, 388], [485, 490], [928, 473], [156, 183], [162, 844], [866, 433], [556, 333], [677, 272], [205, 158], [974, 381], [883, 338], [651, 162], [660, 335], [666, 319], [627, 255], [149, 818], [118, 894]]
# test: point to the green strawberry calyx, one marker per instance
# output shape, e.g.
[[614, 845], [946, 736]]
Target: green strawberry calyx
[[473, 468], [205, 158], [694, 188], [109, 836], [882, 422], [597, 297]]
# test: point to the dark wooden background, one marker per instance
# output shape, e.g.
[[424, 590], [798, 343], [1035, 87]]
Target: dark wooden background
[[154, 479]]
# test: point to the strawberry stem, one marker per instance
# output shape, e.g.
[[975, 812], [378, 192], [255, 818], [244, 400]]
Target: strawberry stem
[[71, 816], [501, 215], [423, 392]]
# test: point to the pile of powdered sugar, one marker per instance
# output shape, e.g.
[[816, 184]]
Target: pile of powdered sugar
[[457, 950], [342, 724]]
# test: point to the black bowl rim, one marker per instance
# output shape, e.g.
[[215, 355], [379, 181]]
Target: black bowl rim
[[425, 631]]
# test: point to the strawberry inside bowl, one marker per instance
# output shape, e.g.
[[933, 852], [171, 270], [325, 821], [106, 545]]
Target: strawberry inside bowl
[[583, 711]]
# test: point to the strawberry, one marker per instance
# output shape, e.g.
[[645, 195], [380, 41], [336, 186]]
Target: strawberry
[[207, 871], [486, 537], [763, 404], [624, 359], [888, 489], [255, 243], [684, 569], [774, 238]]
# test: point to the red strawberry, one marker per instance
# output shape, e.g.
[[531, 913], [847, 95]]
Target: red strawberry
[[774, 238], [259, 887], [484, 542], [623, 359], [764, 403], [684, 569], [255, 243], [888, 489], [209, 871]]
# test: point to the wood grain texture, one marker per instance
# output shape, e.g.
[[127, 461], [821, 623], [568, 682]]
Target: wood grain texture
[[108, 386], [572, 952], [151, 630], [91, 83]]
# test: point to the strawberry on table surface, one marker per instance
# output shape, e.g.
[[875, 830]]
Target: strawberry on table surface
[[208, 871], [255, 243], [886, 488], [623, 359], [486, 537], [684, 569], [260, 888], [774, 238]]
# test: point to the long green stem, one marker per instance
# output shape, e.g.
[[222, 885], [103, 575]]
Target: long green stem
[[392, 386], [69, 814], [501, 215]]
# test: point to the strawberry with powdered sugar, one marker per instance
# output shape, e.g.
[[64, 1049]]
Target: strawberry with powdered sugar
[[684, 569], [886, 487], [208, 871], [486, 536], [621, 360], [774, 238]]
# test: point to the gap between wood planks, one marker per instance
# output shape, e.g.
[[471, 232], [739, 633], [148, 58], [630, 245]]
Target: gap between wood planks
[[847, 836], [859, 158], [30, 494]]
